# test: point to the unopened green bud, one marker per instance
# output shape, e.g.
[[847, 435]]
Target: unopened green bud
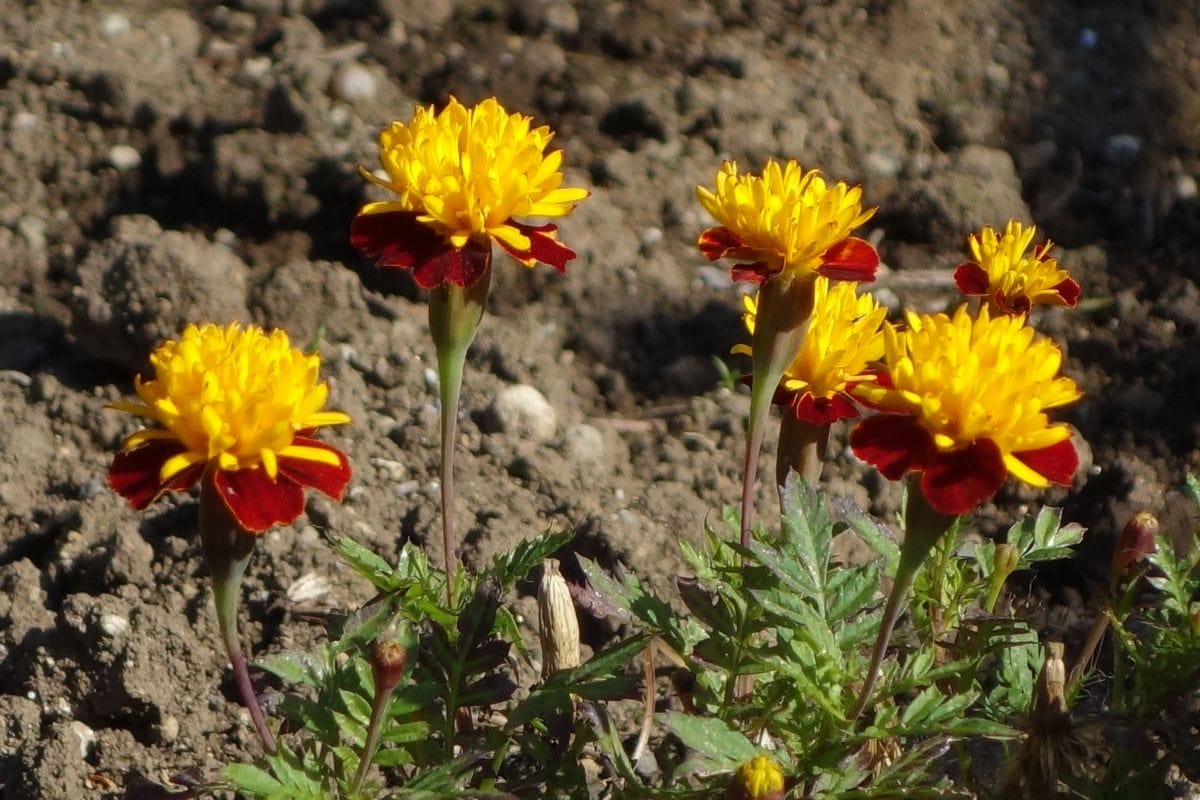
[[1007, 559], [760, 778]]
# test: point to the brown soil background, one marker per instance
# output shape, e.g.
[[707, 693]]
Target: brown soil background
[[166, 162]]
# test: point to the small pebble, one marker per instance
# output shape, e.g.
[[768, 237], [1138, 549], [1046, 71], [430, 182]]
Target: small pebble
[[583, 444], [124, 157], [24, 121], [521, 410], [87, 738], [430, 376], [1088, 38], [353, 82], [113, 625], [1185, 187], [1122, 149], [168, 729], [114, 25], [389, 469]]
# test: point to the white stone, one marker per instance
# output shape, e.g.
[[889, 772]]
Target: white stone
[[124, 157], [308, 587], [583, 444], [114, 25], [522, 411], [353, 82], [113, 625], [87, 738]]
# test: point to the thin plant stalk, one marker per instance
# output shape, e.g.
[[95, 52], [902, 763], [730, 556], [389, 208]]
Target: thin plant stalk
[[227, 551], [454, 315], [923, 527], [781, 322], [388, 660]]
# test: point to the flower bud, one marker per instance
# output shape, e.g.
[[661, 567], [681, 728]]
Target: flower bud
[[1007, 559], [1134, 544], [387, 665], [760, 778], [558, 626]]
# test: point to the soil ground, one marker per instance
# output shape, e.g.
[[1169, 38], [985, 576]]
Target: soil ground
[[164, 162]]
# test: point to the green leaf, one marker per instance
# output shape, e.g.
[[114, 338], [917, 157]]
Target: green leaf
[[1192, 485], [513, 565], [631, 596], [869, 531], [251, 779], [366, 563], [393, 757], [723, 748], [301, 668], [356, 704]]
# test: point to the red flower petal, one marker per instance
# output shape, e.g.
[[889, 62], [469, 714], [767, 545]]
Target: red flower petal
[[715, 243], [1069, 291], [397, 239], [894, 444], [256, 502], [1013, 306], [851, 259], [971, 279], [543, 246], [134, 473], [824, 410], [752, 273], [958, 481], [328, 479], [1056, 463], [461, 266]]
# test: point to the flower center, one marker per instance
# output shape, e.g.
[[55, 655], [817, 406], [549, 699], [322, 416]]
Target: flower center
[[233, 395], [469, 171], [792, 216], [968, 378]]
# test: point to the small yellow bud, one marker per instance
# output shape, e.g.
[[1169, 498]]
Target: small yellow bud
[[760, 778]]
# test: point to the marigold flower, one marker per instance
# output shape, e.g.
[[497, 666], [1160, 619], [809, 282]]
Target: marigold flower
[[968, 398], [235, 406], [1011, 278], [786, 221], [460, 177], [759, 778], [843, 338]]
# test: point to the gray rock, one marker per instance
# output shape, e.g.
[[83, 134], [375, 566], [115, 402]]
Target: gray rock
[[143, 284], [523, 412]]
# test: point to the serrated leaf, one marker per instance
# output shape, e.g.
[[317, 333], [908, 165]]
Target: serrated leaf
[[366, 563], [631, 596], [295, 667], [251, 779], [513, 565], [509, 629], [723, 749], [869, 531]]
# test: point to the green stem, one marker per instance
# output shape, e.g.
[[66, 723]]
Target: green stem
[[454, 315], [781, 321], [227, 551], [802, 449], [923, 526], [374, 729]]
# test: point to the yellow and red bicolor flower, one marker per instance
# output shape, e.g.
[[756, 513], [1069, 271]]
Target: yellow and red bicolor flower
[[460, 178], [788, 222], [235, 406], [1013, 279], [843, 340], [967, 399]]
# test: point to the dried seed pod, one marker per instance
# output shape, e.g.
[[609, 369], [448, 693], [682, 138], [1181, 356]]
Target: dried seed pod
[[558, 627]]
